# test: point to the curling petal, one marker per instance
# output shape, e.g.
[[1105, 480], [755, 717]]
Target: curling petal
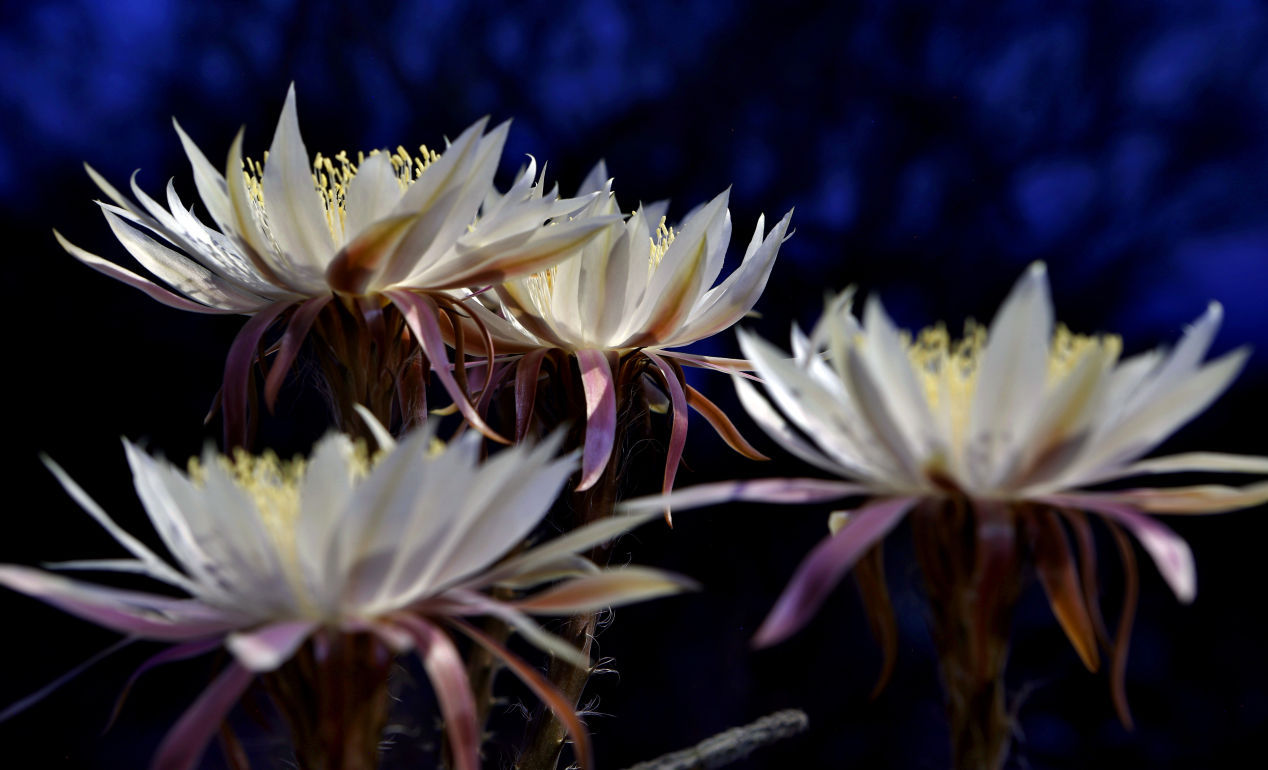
[[824, 567], [600, 390], [184, 744]]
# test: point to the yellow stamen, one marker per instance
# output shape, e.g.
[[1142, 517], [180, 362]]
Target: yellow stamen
[[332, 176], [660, 244]]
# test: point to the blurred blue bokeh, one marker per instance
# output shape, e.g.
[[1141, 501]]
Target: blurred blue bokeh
[[931, 151]]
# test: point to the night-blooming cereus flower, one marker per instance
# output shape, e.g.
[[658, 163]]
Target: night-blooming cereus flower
[[1013, 422], [283, 558], [388, 235], [619, 303]]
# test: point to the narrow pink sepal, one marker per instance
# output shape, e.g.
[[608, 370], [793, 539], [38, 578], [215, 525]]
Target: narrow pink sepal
[[555, 700], [824, 567], [600, 389], [238, 372], [448, 677], [491, 385], [184, 744], [169, 655], [1168, 550], [678, 433], [420, 313], [526, 373], [148, 616], [296, 331]]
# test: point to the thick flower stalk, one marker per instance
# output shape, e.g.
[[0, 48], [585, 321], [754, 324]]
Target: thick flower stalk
[[992, 441], [313, 574], [618, 304], [365, 252]]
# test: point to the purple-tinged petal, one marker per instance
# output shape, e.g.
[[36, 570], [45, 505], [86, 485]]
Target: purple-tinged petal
[[1168, 550], [155, 292], [600, 389], [420, 313], [128, 612], [242, 354], [824, 567], [678, 434], [296, 331], [448, 677], [184, 744], [18, 707], [754, 490], [526, 373], [169, 655], [555, 700], [264, 649]]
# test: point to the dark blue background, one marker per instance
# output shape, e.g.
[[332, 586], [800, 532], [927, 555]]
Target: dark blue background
[[931, 152]]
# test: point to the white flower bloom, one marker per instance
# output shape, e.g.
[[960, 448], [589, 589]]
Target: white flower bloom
[[1023, 414], [638, 289], [273, 554], [292, 233]]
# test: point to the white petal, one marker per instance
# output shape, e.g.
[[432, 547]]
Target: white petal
[[1010, 376], [372, 194], [296, 213]]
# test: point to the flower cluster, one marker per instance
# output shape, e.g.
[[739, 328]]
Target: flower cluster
[[564, 316], [400, 546]]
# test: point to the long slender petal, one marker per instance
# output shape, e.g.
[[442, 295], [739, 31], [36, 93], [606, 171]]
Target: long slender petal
[[22, 704], [154, 566], [542, 688], [678, 433], [296, 212], [296, 332], [1054, 565], [600, 390], [128, 612], [169, 655], [609, 588], [448, 677], [1206, 498], [1168, 550], [753, 490], [153, 290], [242, 354], [824, 567], [722, 424], [526, 374], [184, 744], [420, 313]]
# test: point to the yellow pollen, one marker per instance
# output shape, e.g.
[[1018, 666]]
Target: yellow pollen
[[332, 176], [948, 369]]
